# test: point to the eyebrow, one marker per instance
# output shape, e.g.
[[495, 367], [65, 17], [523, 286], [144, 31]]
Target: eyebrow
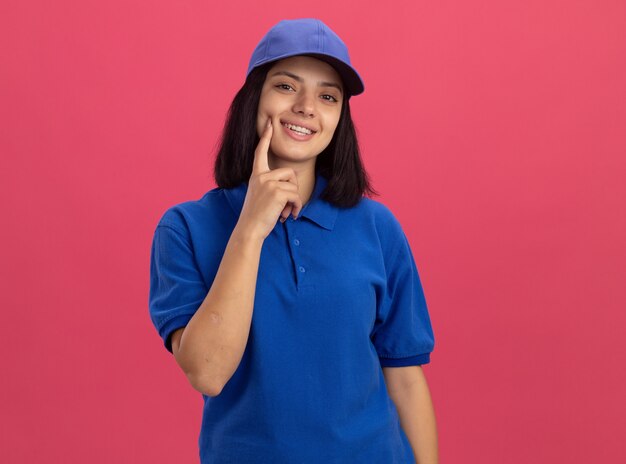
[[299, 79]]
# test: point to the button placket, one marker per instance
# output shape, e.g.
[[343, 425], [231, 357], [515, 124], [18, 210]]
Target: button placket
[[294, 244]]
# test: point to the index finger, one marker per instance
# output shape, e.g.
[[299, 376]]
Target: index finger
[[260, 163]]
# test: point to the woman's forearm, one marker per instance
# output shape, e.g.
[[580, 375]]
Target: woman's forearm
[[213, 342], [409, 392]]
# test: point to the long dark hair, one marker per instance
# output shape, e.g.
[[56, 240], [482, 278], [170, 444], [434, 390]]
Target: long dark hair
[[340, 162]]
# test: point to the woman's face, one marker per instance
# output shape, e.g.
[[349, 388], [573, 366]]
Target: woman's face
[[305, 92]]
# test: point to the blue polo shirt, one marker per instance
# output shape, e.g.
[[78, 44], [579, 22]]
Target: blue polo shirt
[[338, 296]]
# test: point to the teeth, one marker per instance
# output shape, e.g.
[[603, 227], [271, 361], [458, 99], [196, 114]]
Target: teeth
[[302, 130]]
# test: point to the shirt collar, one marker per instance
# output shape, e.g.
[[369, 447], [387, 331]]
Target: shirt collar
[[316, 209]]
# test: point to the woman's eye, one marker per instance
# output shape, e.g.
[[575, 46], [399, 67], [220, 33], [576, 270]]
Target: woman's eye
[[326, 97]]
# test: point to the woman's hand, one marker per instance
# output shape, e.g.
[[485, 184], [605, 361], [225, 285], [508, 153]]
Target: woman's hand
[[271, 193]]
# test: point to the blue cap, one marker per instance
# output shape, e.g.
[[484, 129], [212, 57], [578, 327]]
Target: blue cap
[[311, 37]]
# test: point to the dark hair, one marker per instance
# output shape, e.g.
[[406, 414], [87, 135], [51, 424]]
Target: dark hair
[[340, 162]]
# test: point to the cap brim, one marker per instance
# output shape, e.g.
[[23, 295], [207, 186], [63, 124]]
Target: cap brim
[[351, 79]]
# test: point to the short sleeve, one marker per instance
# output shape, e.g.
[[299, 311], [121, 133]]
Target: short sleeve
[[176, 286], [403, 333]]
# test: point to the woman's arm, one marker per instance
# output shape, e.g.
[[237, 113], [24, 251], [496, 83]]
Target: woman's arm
[[409, 391], [213, 342]]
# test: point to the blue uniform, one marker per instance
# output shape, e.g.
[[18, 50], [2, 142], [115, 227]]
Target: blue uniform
[[338, 296]]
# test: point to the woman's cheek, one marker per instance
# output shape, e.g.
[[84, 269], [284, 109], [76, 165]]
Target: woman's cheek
[[261, 120]]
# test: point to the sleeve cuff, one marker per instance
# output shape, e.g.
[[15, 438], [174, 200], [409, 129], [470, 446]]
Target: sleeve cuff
[[410, 361], [170, 326]]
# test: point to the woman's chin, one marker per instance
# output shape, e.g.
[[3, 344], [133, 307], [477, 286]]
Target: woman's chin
[[293, 155]]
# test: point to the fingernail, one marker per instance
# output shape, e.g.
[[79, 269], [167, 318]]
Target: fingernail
[[269, 122], [282, 219]]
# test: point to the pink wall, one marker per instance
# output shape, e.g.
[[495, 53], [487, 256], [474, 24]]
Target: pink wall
[[496, 131]]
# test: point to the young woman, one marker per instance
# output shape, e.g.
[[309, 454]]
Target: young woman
[[290, 300]]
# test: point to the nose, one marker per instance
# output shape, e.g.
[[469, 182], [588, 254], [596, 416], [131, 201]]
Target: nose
[[305, 105]]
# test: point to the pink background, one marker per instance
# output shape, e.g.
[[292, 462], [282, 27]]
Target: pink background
[[495, 131]]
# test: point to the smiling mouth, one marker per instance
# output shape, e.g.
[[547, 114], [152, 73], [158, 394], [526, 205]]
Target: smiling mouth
[[300, 130]]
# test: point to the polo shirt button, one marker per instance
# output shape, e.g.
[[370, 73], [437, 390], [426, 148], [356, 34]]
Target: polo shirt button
[[301, 269], [296, 241]]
